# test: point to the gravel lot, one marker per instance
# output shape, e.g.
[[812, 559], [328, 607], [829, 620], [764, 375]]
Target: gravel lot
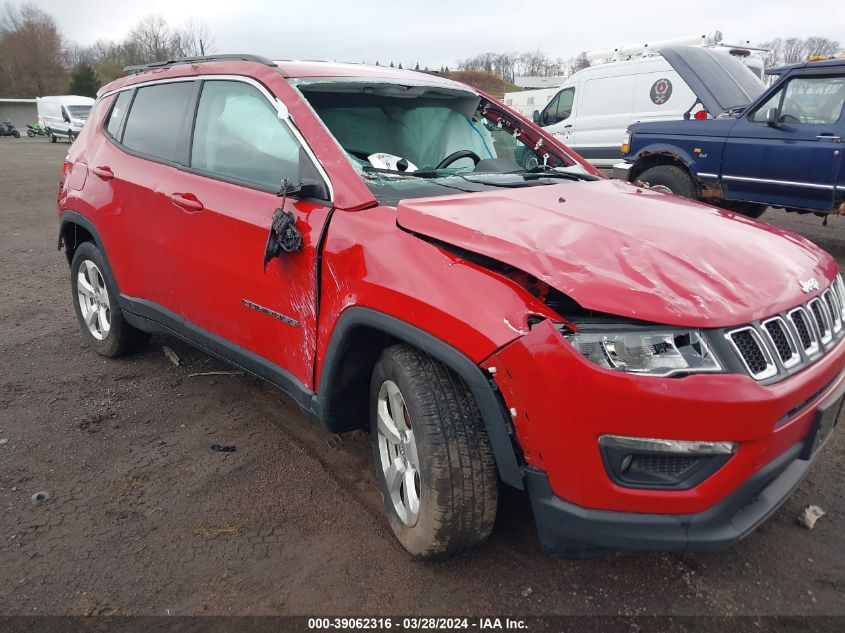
[[143, 518]]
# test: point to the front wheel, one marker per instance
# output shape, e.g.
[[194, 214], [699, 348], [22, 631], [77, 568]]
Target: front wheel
[[30, 133], [670, 179], [433, 459], [53, 138], [95, 302]]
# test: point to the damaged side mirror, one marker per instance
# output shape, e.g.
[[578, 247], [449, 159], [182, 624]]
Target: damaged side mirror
[[284, 236]]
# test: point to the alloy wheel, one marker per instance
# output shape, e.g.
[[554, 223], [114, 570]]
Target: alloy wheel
[[93, 299], [398, 453]]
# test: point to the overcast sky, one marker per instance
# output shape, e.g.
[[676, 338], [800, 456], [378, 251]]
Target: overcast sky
[[439, 32]]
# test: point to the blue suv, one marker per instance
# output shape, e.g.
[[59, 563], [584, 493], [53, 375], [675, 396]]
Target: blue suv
[[785, 149]]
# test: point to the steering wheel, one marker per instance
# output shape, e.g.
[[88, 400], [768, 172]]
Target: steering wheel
[[455, 156]]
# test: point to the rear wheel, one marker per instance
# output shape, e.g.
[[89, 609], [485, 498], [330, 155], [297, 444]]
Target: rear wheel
[[670, 179], [53, 138], [95, 302], [433, 459], [16, 134]]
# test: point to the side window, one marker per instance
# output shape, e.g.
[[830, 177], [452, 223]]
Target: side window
[[551, 106], [118, 112], [759, 115], [564, 107], [560, 107], [157, 119], [806, 100], [238, 135]]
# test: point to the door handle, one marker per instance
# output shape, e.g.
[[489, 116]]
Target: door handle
[[829, 137], [104, 172], [568, 125], [186, 201]]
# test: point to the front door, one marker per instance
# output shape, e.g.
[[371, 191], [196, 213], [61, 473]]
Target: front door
[[558, 115], [241, 153], [793, 158]]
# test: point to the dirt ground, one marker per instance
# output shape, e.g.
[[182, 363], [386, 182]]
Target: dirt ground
[[144, 518]]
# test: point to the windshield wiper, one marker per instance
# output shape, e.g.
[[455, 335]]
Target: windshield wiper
[[550, 172], [532, 182]]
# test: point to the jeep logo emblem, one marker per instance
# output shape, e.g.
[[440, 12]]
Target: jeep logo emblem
[[809, 285]]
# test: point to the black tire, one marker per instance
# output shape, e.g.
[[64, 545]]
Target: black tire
[[16, 134], [675, 179], [456, 483], [70, 136], [30, 134], [121, 337], [53, 138]]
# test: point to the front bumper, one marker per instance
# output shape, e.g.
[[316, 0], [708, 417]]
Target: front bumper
[[561, 404], [561, 524], [621, 171]]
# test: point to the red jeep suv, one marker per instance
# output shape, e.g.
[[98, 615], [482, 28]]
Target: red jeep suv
[[402, 252]]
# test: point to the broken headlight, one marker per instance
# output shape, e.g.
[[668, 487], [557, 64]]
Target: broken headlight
[[648, 352]]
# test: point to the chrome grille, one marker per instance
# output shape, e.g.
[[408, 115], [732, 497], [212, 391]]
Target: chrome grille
[[781, 339], [786, 342], [754, 354], [821, 319], [806, 334], [832, 303]]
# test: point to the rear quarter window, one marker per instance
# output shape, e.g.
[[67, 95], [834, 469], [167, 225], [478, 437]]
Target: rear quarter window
[[118, 113], [157, 123]]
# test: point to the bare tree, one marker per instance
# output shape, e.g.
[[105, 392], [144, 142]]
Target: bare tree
[[31, 53], [194, 39], [792, 50], [578, 63], [152, 39]]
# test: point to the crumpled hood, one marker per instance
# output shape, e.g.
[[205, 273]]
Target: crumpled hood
[[631, 252]]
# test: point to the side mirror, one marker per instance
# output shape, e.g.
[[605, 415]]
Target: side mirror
[[536, 117], [772, 117]]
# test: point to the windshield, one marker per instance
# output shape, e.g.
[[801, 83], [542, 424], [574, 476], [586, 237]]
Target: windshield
[[414, 141], [79, 111]]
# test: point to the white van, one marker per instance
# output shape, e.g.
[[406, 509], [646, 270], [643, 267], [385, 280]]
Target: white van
[[593, 109], [63, 115]]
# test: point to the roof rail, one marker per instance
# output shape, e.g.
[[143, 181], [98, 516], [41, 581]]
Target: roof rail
[[197, 60]]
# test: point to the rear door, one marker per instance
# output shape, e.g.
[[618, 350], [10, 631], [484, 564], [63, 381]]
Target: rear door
[[147, 142], [796, 161], [241, 152]]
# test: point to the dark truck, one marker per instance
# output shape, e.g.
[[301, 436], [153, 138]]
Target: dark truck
[[784, 149]]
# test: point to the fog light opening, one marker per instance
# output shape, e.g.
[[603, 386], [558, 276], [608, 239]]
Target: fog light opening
[[655, 463]]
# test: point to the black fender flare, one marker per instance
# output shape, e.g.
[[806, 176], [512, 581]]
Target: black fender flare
[[77, 219], [490, 404]]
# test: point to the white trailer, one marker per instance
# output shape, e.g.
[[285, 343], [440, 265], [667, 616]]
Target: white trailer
[[527, 101]]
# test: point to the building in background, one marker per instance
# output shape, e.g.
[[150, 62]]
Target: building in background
[[19, 111]]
